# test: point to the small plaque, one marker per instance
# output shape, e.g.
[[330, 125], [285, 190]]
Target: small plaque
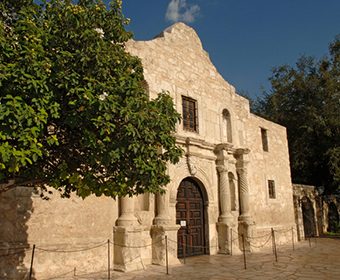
[[183, 223]]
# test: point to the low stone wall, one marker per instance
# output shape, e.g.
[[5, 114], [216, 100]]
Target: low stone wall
[[68, 234]]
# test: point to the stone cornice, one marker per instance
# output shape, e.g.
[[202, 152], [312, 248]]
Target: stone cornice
[[195, 142]]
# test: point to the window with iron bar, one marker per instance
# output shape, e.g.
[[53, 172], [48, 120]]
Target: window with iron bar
[[264, 139], [271, 189], [190, 120]]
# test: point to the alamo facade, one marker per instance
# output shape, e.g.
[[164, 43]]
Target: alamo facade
[[234, 179]]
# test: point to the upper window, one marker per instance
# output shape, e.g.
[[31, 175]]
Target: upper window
[[227, 126], [190, 121], [264, 139], [271, 189]]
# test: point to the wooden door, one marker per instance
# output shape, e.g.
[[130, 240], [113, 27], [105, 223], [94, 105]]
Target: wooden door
[[190, 215]]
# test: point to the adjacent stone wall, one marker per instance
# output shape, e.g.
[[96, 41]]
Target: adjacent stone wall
[[272, 165], [63, 230]]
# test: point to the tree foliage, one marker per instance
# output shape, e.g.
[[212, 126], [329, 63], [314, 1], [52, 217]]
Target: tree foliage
[[306, 100], [74, 113]]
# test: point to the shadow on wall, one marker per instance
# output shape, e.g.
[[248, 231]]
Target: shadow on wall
[[15, 210], [308, 217], [333, 218]]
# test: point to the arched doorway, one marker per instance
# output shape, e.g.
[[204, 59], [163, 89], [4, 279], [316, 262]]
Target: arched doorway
[[190, 215], [308, 217], [333, 218]]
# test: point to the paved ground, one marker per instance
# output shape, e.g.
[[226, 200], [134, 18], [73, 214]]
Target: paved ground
[[320, 261]]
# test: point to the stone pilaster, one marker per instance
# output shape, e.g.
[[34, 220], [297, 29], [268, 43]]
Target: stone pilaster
[[228, 241], [225, 203], [162, 227], [127, 248], [159, 247], [127, 242], [248, 229]]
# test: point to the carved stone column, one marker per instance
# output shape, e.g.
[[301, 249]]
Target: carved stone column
[[164, 226], [162, 217], [226, 222], [244, 195], [247, 226], [127, 217], [225, 202], [127, 238]]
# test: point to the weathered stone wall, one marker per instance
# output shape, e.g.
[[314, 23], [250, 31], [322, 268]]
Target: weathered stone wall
[[63, 230], [175, 61], [273, 165]]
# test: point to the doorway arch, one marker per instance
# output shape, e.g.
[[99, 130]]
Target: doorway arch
[[333, 217], [191, 216], [308, 217]]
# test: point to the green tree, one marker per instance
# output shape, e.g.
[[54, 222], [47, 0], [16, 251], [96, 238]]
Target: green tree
[[306, 100], [74, 113]]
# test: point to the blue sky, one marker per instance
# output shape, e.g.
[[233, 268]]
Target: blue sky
[[244, 38]]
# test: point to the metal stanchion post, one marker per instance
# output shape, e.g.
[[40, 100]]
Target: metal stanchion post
[[231, 242], [309, 241], [293, 237], [184, 251], [275, 246], [273, 241], [108, 259], [244, 253], [31, 269], [166, 254]]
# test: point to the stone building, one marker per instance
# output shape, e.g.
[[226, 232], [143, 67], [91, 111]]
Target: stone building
[[315, 213], [234, 179]]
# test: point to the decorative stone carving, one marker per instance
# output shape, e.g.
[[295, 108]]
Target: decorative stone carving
[[225, 203], [244, 195], [191, 166]]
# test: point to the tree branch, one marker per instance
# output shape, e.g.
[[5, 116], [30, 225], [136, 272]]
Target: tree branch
[[29, 183]]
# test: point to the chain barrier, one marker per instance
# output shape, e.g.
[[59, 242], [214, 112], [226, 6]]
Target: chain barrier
[[138, 247], [261, 246], [284, 231], [190, 246], [71, 251], [166, 240]]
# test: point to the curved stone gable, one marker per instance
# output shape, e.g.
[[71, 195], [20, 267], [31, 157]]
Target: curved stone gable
[[183, 35], [176, 61]]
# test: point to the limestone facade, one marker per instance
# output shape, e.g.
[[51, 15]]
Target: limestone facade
[[234, 179]]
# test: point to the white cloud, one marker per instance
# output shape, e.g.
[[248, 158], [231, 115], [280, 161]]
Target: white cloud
[[178, 10]]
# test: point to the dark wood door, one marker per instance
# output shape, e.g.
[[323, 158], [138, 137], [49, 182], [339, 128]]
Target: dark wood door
[[190, 215]]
